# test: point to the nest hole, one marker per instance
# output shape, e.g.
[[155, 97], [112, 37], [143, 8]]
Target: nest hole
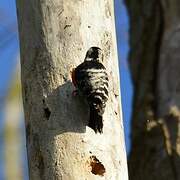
[[97, 168]]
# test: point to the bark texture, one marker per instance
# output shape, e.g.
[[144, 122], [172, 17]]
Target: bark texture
[[54, 37], [155, 68]]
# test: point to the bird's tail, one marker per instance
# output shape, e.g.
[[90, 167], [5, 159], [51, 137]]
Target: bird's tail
[[96, 120]]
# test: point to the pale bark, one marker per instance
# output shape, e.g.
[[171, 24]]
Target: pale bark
[[54, 37], [155, 68]]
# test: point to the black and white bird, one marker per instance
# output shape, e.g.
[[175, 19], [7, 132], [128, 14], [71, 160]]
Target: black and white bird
[[91, 79]]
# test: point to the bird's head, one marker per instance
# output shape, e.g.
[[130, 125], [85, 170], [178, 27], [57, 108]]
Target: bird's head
[[94, 54]]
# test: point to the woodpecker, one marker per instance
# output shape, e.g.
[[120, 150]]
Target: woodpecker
[[91, 79]]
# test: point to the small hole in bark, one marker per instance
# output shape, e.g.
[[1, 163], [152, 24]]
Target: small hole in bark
[[116, 95], [47, 112], [67, 25], [65, 78], [97, 167]]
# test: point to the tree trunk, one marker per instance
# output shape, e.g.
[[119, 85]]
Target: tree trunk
[[155, 69], [54, 38]]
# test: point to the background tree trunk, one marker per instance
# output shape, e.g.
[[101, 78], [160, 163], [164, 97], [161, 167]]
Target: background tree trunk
[[54, 37], [155, 66]]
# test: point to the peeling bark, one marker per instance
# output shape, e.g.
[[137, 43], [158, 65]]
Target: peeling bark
[[54, 38]]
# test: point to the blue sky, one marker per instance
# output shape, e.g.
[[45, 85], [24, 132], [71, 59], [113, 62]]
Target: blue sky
[[8, 43], [8, 59], [9, 50], [122, 27]]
